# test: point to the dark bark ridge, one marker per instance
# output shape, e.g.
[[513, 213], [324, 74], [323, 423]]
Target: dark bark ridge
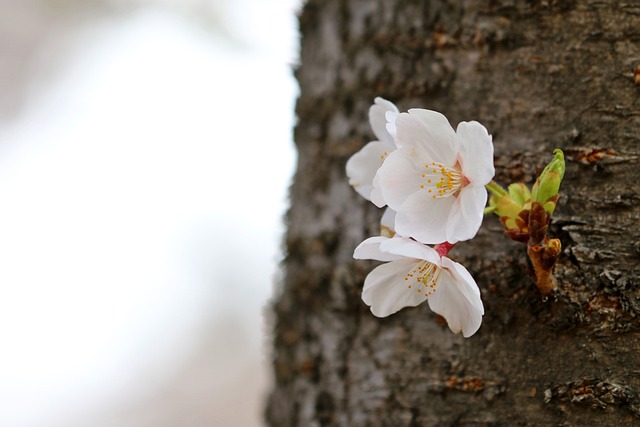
[[539, 75]]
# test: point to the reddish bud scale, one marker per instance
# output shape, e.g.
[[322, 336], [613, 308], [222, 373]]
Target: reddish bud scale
[[538, 223], [443, 248], [543, 274], [523, 220], [518, 236], [551, 253], [542, 251]]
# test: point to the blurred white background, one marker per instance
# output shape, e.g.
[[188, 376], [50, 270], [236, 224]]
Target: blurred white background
[[145, 155]]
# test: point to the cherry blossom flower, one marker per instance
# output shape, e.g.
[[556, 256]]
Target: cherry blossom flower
[[363, 165], [415, 273], [435, 179]]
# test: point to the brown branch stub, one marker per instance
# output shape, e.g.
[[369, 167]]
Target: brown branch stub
[[465, 383], [538, 224], [591, 155], [543, 252], [543, 273]]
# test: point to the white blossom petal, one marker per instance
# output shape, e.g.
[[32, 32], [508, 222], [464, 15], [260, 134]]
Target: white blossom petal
[[386, 291], [391, 117], [470, 289], [370, 249], [378, 119], [363, 165], [457, 299], [476, 152], [376, 194], [400, 176], [428, 131], [424, 218], [466, 214], [424, 179], [419, 273], [410, 249], [388, 221]]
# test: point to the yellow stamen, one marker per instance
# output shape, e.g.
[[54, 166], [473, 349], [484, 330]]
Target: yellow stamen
[[427, 277], [448, 180]]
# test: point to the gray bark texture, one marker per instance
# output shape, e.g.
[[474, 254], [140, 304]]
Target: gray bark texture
[[539, 75]]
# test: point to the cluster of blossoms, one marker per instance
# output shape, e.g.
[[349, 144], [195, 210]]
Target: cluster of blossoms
[[432, 179], [434, 182]]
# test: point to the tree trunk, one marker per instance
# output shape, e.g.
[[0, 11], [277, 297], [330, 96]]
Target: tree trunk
[[539, 75]]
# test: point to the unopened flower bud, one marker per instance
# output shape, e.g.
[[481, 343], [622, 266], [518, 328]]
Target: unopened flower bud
[[545, 190], [551, 253]]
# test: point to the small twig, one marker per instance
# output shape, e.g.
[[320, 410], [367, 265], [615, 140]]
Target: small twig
[[543, 252]]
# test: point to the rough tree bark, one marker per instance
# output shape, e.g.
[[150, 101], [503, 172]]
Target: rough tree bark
[[539, 75]]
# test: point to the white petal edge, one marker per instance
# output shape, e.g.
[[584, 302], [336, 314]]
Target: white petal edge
[[466, 214], [376, 194], [386, 291], [388, 220], [391, 117], [476, 152], [400, 176], [457, 301], [424, 218], [378, 118], [410, 249], [428, 131], [370, 249], [363, 165], [469, 288]]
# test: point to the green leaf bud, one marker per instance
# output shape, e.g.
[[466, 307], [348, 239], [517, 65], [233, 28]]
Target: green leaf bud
[[545, 190]]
